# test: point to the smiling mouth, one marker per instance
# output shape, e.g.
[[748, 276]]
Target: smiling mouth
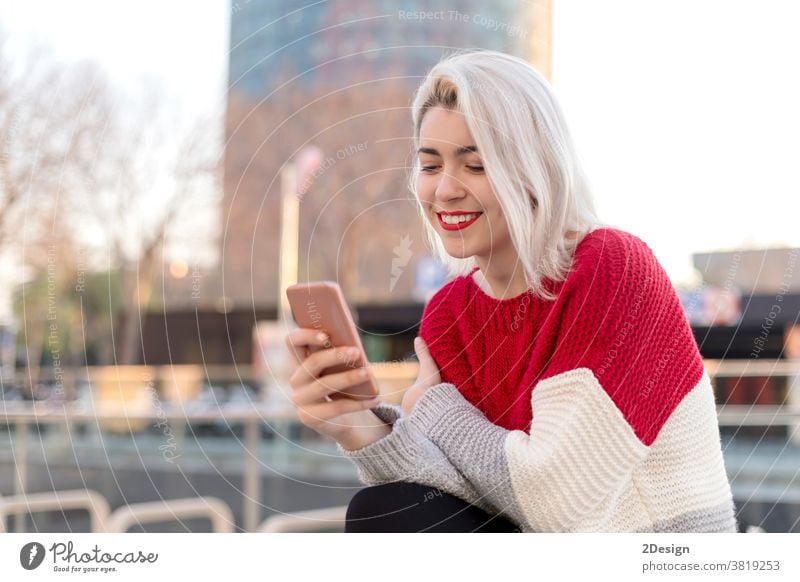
[[457, 221]]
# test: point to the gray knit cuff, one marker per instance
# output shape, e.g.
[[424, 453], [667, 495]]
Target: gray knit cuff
[[435, 404], [406, 454], [472, 443], [402, 455], [388, 413]]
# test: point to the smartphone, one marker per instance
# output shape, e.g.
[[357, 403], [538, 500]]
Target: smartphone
[[321, 305]]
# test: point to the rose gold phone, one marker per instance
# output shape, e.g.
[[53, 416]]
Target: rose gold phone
[[321, 305]]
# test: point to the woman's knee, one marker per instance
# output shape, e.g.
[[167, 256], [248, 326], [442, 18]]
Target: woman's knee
[[387, 497], [363, 502], [402, 506]]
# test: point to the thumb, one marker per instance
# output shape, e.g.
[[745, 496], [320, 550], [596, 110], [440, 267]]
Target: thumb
[[427, 366], [420, 348]]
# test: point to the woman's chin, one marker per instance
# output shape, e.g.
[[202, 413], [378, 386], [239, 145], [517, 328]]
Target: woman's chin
[[459, 253]]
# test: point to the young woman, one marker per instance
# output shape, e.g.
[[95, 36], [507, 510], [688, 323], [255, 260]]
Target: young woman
[[560, 386]]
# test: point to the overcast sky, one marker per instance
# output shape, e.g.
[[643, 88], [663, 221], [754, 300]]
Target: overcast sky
[[684, 112]]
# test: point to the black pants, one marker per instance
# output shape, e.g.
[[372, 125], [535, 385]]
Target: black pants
[[410, 507]]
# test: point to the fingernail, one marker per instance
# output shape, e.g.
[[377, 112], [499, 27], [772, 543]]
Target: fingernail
[[352, 352], [322, 337]]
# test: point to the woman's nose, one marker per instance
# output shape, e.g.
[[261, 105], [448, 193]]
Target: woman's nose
[[449, 187]]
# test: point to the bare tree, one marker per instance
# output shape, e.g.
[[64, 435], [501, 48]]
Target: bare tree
[[145, 181], [48, 111], [84, 165]]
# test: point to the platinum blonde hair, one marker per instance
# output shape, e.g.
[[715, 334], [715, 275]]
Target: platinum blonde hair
[[527, 153]]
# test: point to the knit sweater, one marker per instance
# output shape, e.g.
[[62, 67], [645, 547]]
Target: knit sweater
[[592, 412]]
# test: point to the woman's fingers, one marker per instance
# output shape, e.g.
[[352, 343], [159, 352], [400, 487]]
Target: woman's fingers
[[310, 390], [316, 391], [299, 340], [312, 367], [314, 414]]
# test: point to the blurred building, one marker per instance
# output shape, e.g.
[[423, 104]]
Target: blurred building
[[747, 302], [748, 308], [347, 40], [340, 75], [755, 272]]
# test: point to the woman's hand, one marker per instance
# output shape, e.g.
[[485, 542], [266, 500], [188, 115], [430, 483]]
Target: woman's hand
[[347, 420], [428, 376]]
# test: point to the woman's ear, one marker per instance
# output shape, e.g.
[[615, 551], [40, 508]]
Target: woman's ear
[[534, 201]]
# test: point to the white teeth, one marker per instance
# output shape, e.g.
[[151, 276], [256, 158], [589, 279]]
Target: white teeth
[[457, 219]]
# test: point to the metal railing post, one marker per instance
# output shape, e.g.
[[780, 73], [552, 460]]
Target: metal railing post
[[21, 473], [252, 482]]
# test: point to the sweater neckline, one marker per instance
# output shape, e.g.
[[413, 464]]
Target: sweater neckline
[[483, 296]]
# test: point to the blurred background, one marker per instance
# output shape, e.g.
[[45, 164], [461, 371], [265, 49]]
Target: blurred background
[[166, 169]]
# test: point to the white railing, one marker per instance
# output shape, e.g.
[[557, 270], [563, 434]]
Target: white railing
[[19, 505], [312, 520], [787, 415], [101, 519], [214, 509], [22, 416]]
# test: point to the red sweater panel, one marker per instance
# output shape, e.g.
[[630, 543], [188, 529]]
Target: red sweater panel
[[617, 314]]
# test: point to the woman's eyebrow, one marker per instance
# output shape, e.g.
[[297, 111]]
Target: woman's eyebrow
[[463, 150]]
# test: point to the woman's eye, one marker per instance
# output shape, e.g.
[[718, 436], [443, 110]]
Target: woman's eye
[[429, 169]]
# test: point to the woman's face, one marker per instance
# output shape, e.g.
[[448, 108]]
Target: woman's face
[[452, 181]]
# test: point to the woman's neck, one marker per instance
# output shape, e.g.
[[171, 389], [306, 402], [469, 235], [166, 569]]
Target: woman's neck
[[503, 278], [500, 281]]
